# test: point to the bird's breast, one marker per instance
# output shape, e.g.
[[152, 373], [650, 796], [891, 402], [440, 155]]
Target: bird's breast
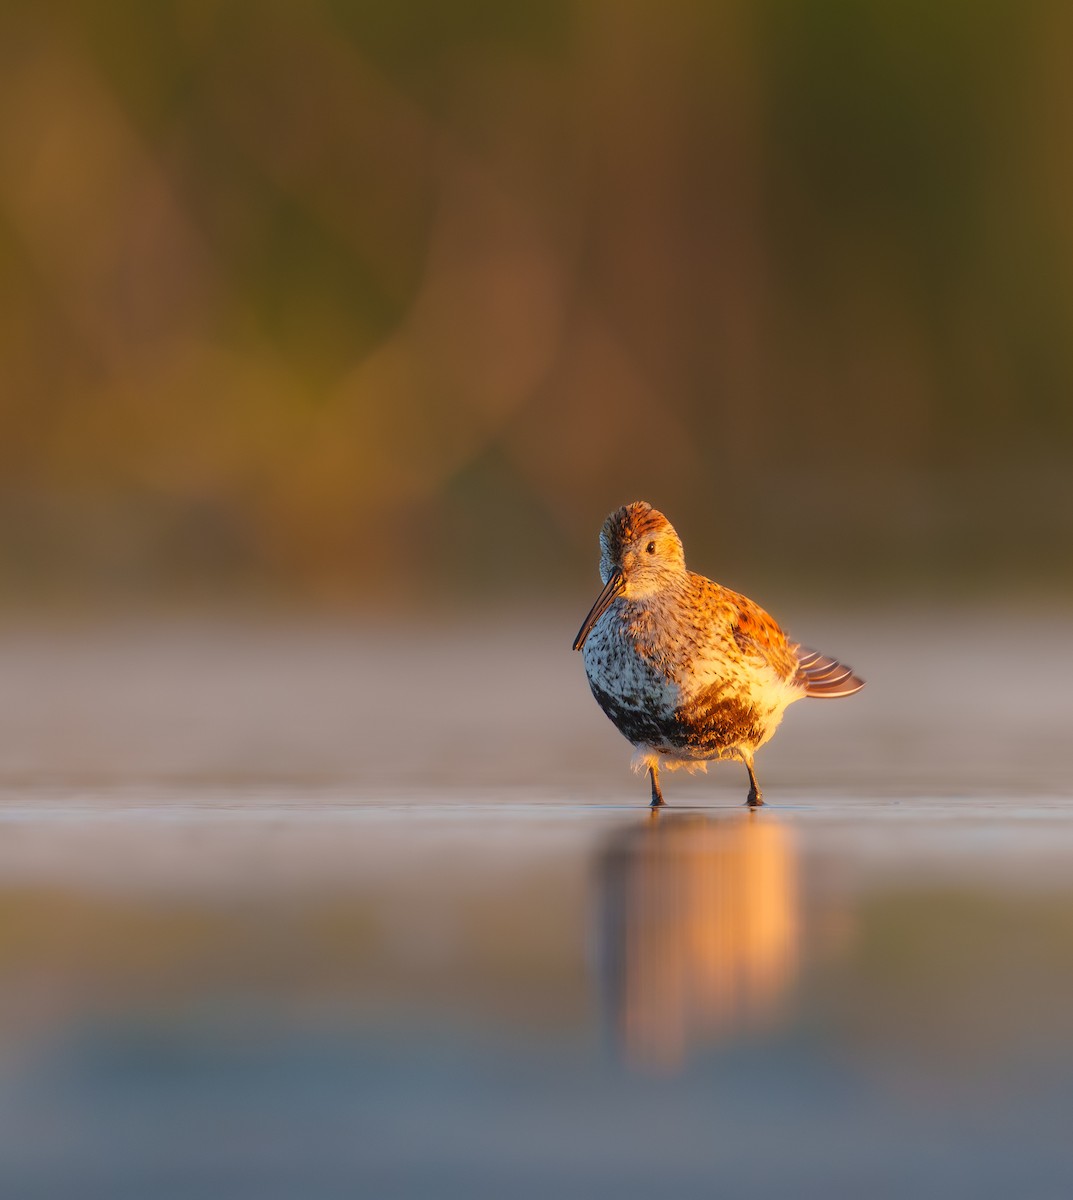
[[627, 664], [668, 687]]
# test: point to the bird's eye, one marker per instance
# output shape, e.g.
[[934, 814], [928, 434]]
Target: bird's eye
[[651, 547]]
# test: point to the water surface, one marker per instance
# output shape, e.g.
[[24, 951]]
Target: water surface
[[290, 911]]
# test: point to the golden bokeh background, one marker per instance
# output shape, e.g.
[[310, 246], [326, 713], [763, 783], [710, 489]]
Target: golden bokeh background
[[356, 301]]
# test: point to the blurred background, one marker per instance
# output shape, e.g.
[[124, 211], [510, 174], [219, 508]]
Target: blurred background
[[316, 317], [354, 303]]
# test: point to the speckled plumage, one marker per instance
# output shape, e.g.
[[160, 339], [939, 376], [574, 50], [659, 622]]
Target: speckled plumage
[[687, 670]]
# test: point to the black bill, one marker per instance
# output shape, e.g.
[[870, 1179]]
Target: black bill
[[612, 588]]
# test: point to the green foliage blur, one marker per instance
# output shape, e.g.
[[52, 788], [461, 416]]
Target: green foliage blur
[[367, 300]]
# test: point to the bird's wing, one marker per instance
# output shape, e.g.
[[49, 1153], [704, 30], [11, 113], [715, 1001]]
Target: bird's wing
[[824, 677], [758, 636]]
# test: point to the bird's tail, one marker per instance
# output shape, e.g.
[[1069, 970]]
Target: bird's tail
[[823, 677]]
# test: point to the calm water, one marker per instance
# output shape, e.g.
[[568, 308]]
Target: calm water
[[327, 912]]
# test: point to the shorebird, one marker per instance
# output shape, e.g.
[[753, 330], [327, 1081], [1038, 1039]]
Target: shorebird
[[689, 671]]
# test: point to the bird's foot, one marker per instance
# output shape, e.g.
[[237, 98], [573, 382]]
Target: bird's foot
[[755, 797], [657, 795]]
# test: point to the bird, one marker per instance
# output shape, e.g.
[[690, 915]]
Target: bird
[[689, 671]]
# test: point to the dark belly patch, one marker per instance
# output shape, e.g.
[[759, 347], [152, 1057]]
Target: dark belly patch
[[716, 721], [634, 723], [709, 724]]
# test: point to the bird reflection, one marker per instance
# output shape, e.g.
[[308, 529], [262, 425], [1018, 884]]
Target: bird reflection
[[699, 930]]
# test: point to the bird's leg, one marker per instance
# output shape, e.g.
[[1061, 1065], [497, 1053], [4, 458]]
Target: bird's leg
[[755, 797], [657, 795]]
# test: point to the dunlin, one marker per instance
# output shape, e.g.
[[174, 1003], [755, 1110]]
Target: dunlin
[[689, 671]]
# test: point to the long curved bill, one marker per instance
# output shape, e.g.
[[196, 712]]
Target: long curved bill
[[612, 589]]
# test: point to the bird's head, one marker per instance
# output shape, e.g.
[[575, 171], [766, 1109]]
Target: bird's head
[[640, 555]]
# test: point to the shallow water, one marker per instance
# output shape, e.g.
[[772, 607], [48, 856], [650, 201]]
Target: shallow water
[[292, 912]]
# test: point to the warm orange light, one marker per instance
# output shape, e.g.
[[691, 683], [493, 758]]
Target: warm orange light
[[700, 933]]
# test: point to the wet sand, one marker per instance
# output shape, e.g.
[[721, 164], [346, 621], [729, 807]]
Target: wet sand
[[292, 911]]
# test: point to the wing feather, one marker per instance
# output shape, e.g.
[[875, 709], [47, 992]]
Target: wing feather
[[824, 677]]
